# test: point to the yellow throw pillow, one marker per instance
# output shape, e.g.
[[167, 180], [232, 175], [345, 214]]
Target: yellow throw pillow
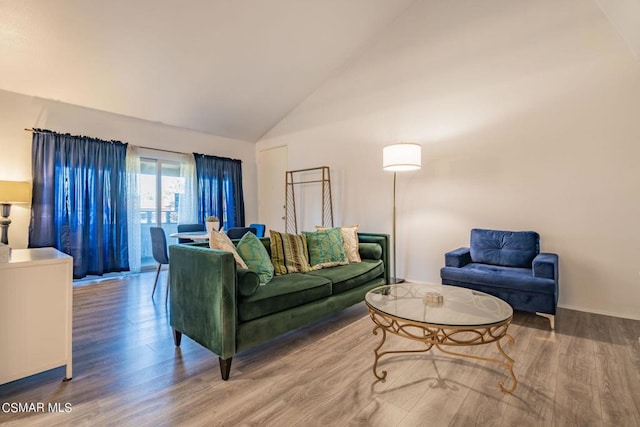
[[222, 242], [349, 241]]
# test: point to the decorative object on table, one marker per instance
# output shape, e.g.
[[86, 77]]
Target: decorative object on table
[[212, 223], [5, 253], [508, 265], [300, 178], [11, 192], [433, 298], [402, 157]]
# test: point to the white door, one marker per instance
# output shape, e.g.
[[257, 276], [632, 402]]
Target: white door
[[272, 167]]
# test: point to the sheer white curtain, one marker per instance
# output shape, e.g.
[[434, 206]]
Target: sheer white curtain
[[133, 208], [188, 202]]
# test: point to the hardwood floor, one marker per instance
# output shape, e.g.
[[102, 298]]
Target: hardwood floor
[[128, 372]]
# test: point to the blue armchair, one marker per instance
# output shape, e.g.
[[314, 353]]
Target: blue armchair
[[508, 265]]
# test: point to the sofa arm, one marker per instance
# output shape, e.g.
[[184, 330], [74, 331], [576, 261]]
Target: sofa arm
[[457, 258], [203, 302], [383, 241], [545, 265]]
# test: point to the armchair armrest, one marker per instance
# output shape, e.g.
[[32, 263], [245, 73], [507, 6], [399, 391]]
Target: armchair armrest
[[545, 265], [457, 258]]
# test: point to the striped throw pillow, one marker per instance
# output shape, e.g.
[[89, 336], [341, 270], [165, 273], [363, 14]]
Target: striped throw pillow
[[289, 253]]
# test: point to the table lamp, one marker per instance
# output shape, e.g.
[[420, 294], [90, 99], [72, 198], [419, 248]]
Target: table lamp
[[11, 192]]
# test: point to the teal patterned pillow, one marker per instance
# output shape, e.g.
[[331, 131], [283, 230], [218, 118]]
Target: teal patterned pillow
[[255, 255], [326, 248]]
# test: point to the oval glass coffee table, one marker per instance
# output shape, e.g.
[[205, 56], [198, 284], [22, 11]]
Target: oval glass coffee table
[[441, 316]]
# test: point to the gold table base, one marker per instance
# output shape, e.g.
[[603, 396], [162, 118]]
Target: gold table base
[[439, 336]]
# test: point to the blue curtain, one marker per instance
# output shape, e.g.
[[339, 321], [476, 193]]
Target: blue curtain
[[220, 189], [80, 200]]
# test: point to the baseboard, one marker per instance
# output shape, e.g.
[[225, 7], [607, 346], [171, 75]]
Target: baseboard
[[603, 312]]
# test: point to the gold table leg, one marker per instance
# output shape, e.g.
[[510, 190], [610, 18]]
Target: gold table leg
[[439, 337], [378, 355]]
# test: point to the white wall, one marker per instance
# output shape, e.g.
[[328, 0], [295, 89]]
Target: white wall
[[18, 112], [528, 117]]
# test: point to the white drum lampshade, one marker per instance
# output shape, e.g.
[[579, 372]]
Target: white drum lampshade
[[402, 157]]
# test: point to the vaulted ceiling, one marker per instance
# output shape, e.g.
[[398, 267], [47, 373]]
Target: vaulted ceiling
[[232, 68]]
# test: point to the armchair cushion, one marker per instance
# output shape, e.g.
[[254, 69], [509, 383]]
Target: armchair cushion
[[501, 277], [504, 248]]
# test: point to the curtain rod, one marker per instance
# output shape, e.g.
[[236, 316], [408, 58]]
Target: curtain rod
[[138, 146]]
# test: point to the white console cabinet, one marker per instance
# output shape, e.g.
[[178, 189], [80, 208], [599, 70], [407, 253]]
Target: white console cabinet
[[36, 302]]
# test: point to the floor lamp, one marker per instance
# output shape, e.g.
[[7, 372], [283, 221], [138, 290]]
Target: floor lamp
[[401, 157], [11, 192]]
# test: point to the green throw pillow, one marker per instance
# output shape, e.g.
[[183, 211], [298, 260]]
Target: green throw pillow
[[255, 255], [326, 248], [289, 253]]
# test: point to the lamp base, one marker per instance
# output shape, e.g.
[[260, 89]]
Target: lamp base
[[4, 223]]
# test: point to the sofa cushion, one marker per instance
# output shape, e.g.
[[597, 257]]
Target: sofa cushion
[[499, 276], [222, 242], [289, 253], [282, 293], [346, 277], [350, 241], [248, 282], [506, 248], [252, 251], [325, 248]]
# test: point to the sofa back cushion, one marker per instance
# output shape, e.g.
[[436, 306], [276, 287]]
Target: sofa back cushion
[[506, 248]]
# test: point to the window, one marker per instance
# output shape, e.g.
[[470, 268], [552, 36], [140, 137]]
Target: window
[[161, 186]]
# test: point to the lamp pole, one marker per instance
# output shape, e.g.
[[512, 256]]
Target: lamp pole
[[395, 251], [399, 157]]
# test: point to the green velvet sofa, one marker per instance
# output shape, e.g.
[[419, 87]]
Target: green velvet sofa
[[226, 310]]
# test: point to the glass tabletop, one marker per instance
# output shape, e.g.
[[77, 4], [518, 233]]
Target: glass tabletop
[[458, 306]]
